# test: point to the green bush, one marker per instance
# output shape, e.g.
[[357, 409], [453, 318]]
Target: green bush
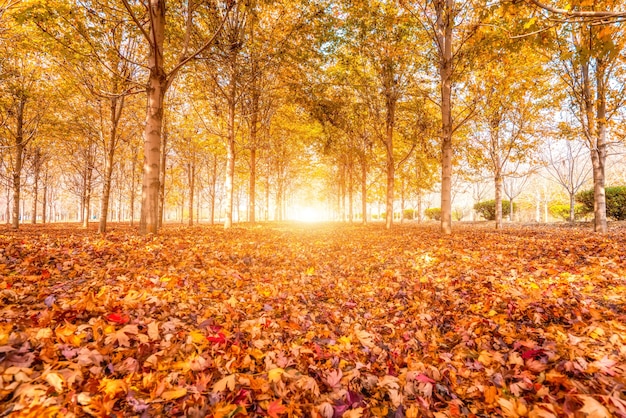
[[615, 202], [487, 209], [561, 210], [409, 214], [433, 213]]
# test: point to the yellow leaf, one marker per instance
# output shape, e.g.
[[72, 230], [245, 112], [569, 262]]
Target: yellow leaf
[[197, 337], [353, 413], [225, 382], [112, 387], [274, 375], [530, 22], [412, 412], [168, 395], [153, 330], [365, 338], [55, 380], [593, 408]]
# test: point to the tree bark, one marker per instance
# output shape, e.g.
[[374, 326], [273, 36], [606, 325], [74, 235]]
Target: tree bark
[[36, 174], [44, 198], [364, 192], [156, 87], [252, 186], [192, 187], [20, 147], [498, 198], [444, 35], [230, 167]]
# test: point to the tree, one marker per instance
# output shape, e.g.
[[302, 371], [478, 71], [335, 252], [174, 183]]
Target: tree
[[592, 62], [154, 32], [568, 166], [22, 103], [450, 26], [511, 102]]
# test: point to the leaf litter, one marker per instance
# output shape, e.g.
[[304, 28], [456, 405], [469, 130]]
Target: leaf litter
[[325, 321]]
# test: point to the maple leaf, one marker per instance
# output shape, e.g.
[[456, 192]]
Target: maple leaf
[[168, 395], [333, 377], [121, 336], [225, 382], [275, 375], [593, 408], [117, 318], [275, 408]]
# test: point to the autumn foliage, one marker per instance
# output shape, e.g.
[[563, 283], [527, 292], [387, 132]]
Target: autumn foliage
[[312, 321]]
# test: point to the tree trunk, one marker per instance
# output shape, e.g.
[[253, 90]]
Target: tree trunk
[[444, 34], [572, 207], [390, 163], [213, 188], [36, 167], [20, 146], [350, 194], [106, 190], [132, 188], [598, 154], [192, 186], [252, 187], [230, 155], [364, 191], [498, 198], [156, 87], [44, 197], [230, 176]]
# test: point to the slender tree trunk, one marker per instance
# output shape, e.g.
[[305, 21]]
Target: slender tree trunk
[[156, 87], [132, 188], [350, 194], [572, 206], [20, 146], [106, 190], [230, 171], [213, 189], [419, 207], [598, 155], [402, 202], [390, 163], [364, 191], [192, 186], [163, 173], [36, 174], [444, 34], [498, 198], [44, 197], [252, 186]]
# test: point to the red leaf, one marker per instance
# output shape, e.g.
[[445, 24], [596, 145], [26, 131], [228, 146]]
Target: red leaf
[[45, 274], [220, 338], [117, 318], [532, 353], [423, 378]]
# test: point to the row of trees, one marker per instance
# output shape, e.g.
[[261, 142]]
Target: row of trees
[[356, 96]]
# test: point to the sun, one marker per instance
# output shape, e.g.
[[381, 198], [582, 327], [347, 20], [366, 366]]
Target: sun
[[308, 214]]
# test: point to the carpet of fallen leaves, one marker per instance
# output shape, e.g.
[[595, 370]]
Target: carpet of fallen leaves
[[313, 321]]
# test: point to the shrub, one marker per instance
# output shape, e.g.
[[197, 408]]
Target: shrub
[[409, 214], [433, 213], [487, 209], [615, 202], [561, 210]]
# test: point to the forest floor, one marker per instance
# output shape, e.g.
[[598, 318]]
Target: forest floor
[[296, 320]]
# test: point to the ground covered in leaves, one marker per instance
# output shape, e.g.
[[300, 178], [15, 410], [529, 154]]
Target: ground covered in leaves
[[313, 321]]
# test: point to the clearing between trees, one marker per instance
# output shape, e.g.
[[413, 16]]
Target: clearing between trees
[[312, 320]]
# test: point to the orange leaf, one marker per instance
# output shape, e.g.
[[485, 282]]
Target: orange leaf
[[275, 408]]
